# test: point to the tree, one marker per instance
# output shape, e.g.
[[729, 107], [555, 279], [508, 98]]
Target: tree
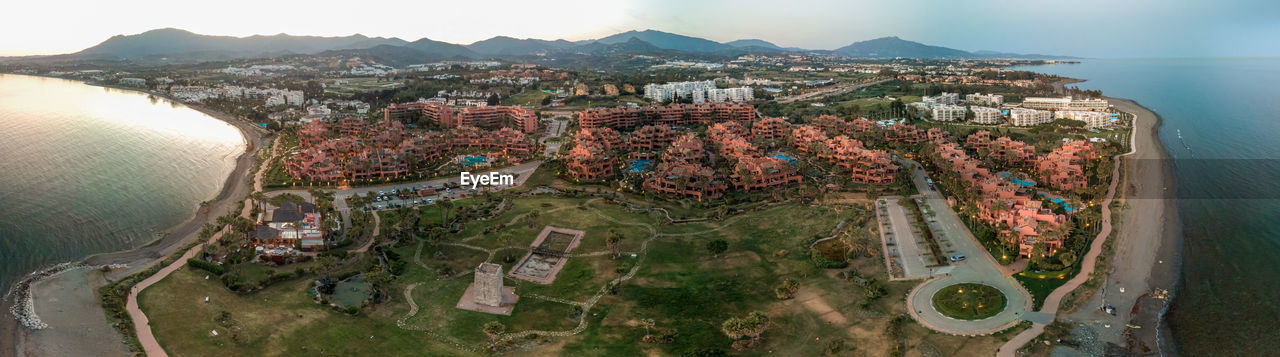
[[494, 329], [493, 99], [752, 326], [506, 242], [614, 241], [378, 276], [717, 246], [648, 327], [445, 204]]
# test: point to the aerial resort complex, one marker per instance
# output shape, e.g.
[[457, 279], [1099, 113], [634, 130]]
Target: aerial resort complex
[[644, 193]]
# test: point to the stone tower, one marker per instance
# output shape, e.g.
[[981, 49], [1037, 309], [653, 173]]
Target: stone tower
[[488, 284]]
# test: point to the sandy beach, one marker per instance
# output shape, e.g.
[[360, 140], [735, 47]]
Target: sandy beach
[[75, 293], [1146, 255]]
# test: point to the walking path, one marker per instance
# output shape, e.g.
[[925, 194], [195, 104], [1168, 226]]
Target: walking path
[[1087, 265], [141, 325]]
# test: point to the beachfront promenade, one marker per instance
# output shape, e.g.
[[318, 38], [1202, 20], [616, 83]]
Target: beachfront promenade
[[1088, 264]]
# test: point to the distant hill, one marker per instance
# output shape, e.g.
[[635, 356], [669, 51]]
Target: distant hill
[[509, 46], [761, 44], [599, 48], [889, 47], [175, 45], [171, 41], [438, 49], [670, 41]]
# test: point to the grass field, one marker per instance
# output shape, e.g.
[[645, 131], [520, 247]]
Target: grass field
[[686, 289], [969, 301]]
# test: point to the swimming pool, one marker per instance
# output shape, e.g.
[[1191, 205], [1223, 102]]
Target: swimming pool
[[1018, 181], [638, 166], [785, 157], [473, 160]]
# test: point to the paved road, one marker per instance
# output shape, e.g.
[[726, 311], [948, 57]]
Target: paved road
[[980, 268], [899, 231]]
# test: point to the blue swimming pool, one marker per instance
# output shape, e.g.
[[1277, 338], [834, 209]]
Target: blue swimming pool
[[1021, 182], [474, 160], [785, 157], [1065, 205], [638, 166]]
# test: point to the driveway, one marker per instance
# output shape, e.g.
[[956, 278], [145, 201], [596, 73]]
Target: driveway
[[979, 268]]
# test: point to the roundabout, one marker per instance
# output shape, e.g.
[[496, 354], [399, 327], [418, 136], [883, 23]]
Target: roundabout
[[967, 301]]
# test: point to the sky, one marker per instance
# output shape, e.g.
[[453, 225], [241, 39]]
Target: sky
[[1085, 28]]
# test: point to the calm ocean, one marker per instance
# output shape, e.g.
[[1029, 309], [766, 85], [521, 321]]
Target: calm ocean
[[1221, 128], [86, 170]]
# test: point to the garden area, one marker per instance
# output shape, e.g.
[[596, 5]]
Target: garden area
[[969, 301]]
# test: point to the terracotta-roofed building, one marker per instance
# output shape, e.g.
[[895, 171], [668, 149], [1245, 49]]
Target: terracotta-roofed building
[[862, 125], [809, 139], [1062, 168], [770, 129], [687, 148], [674, 115], [831, 124], [650, 138], [499, 117], [434, 112], [904, 133], [350, 126], [757, 172], [493, 117], [935, 134], [313, 165], [607, 138], [589, 161], [684, 179]]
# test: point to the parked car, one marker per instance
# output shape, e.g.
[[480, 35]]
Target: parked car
[[958, 258]]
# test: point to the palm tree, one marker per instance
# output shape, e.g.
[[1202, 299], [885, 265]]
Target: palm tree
[[445, 204], [614, 241], [648, 326]]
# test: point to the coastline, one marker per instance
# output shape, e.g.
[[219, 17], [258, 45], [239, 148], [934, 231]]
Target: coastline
[[1135, 260], [1139, 269], [233, 188]]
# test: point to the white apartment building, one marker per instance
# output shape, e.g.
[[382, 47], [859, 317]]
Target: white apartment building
[[1091, 119], [136, 82], [985, 115], [740, 94], [673, 90], [1029, 117], [1064, 103], [945, 112], [984, 99], [699, 92], [944, 98]]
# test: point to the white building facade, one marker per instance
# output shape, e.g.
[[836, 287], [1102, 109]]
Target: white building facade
[[945, 112], [985, 115], [1029, 117]]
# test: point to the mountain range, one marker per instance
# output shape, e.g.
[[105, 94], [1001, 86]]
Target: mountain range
[[181, 45]]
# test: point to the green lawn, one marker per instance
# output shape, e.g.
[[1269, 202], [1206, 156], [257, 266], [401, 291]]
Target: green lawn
[[685, 288], [1041, 284], [969, 301]]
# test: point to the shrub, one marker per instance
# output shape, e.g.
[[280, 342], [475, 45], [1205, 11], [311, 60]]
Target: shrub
[[216, 269]]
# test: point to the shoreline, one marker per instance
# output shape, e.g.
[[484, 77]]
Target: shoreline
[[232, 189], [1133, 269], [1162, 266]]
